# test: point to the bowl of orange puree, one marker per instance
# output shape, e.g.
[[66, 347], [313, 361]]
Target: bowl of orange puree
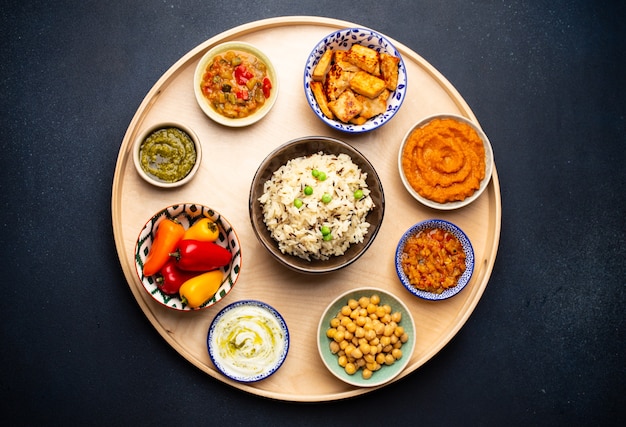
[[445, 161]]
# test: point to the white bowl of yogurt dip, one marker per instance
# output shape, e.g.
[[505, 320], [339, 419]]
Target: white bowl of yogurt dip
[[248, 341]]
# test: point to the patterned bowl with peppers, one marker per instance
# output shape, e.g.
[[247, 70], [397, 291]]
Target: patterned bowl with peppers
[[342, 40], [246, 86], [163, 286], [448, 229]]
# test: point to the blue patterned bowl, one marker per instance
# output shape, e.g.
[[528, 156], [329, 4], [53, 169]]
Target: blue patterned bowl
[[343, 40], [187, 214], [467, 248], [236, 339]]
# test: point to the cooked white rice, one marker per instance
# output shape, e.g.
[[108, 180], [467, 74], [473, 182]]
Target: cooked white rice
[[298, 230]]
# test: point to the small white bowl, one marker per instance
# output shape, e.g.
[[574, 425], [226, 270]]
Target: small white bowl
[[343, 40], [387, 372], [188, 214], [203, 102], [467, 248], [249, 323], [488, 164], [153, 179]]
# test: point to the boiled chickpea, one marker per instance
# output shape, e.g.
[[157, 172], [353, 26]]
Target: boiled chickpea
[[356, 353], [350, 368], [365, 348], [366, 374], [364, 301], [345, 310], [389, 359], [343, 361]]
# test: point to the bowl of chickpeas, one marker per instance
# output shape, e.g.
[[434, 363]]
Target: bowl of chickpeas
[[366, 337]]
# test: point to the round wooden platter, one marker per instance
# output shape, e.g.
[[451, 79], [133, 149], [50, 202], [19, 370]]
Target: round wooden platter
[[230, 159]]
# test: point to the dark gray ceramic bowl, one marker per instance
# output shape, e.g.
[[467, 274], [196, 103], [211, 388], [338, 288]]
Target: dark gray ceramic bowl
[[303, 147]]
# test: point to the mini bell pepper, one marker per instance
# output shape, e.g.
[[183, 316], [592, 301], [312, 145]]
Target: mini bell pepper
[[170, 278], [195, 255], [204, 230], [168, 234], [199, 289]]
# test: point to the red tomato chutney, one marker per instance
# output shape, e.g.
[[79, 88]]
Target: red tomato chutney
[[433, 260], [236, 84]]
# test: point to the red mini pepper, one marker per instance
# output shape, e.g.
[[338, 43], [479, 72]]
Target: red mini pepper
[[195, 255], [171, 278]]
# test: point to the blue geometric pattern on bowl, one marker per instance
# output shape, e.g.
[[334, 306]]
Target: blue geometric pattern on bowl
[[188, 214], [261, 375], [343, 40], [467, 248]]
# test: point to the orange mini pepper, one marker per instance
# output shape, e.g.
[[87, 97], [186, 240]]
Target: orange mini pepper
[[204, 230], [169, 232]]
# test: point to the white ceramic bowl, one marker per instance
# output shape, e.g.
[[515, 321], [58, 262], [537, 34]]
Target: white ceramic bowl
[[236, 339], [387, 372], [488, 164], [203, 102], [304, 147], [467, 248], [187, 214], [343, 40], [180, 151]]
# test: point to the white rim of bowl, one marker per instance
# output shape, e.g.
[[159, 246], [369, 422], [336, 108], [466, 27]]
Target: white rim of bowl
[[153, 180], [208, 110], [488, 163]]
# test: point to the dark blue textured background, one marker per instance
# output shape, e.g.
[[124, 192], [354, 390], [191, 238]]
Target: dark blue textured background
[[545, 345]]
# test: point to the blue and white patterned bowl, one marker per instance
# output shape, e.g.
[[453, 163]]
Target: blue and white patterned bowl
[[187, 214], [243, 311], [344, 39], [467, 248]]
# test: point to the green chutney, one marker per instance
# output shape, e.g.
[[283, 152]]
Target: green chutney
[[168, 154]]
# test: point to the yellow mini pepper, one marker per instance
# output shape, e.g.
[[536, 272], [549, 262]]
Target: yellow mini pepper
[[203, 230], [198, 290]]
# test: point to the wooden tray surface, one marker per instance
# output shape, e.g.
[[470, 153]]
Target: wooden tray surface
[[230, 159]]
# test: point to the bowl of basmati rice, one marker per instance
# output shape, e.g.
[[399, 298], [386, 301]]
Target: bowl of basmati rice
[[316, 204]]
